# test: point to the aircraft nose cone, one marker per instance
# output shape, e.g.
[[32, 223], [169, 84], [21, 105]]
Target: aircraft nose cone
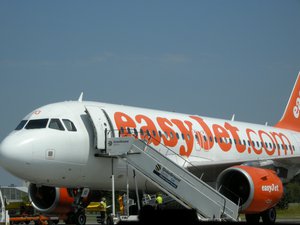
[[6, 152], [14, 153]]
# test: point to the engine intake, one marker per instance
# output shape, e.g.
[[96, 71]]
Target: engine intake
[[254, 189], [50, 199]]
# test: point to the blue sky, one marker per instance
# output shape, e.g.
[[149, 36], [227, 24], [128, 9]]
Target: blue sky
[[211, 58]]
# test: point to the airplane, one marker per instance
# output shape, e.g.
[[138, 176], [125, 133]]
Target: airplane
[[54, 149]]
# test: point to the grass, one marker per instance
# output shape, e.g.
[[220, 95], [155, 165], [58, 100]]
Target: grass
[[292, 212]]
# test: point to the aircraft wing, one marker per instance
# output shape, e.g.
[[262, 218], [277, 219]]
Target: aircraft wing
[[209, 170]]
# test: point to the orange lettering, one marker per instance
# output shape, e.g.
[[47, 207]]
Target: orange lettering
[[261, 133], [281, 138], [233, 130], [165, 125], [149, 128], [208, 144], [223, 136], [123, 121], [189, 137], [257, 151]]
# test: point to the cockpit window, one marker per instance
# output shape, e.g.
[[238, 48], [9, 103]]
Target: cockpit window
[[21, 125], [37, 124], [69, 125], [56, 124]]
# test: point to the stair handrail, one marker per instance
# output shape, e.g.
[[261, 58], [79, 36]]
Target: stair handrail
[[136, 134]]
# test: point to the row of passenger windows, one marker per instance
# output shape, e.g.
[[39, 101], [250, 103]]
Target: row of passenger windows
[[42, 123], [207, 139]]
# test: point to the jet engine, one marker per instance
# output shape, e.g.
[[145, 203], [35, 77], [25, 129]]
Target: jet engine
[[50, 200], [254, 189]]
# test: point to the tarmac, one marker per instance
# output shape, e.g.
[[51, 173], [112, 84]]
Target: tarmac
[[180, 217]]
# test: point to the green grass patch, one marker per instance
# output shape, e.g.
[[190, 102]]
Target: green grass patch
[[292, 212]]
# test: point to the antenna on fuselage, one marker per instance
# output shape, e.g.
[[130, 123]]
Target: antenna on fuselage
[[80, 97], [233, 117]]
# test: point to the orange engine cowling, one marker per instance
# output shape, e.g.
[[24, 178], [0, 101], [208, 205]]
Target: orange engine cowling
[[50, 200], [255, 189]]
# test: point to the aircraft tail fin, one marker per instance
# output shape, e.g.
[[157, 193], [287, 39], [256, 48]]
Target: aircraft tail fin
[[291, 116]]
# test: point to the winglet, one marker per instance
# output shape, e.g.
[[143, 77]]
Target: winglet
[[80, 97], [291, 116]]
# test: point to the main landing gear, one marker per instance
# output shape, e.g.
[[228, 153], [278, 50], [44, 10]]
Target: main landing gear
[[268, 217], [78, 217]]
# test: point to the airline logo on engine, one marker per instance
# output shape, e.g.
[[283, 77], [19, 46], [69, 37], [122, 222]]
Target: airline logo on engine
[[270, 188]]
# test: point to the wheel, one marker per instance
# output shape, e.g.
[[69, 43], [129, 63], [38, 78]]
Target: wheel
[[80, 218], [269, 216], [252, 218]]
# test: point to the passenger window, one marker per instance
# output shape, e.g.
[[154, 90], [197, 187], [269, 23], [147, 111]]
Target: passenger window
[[159, 133], [21, 125], [177, 135], [270, 145], [37, 124], [148, 132], [122, 130], [142, 132], [135, 132], [154, 133], [56, 124], [166, 134], [69, 125], [171, 135]]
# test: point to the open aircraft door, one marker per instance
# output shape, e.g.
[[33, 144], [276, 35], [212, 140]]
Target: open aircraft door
[[4, 218], [102, 126]]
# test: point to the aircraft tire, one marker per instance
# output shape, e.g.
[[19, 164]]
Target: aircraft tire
[[252, 218], [80, 218], [269, 216]]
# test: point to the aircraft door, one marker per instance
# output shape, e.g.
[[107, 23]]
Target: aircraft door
[[202, 141], [2, 209], [102, 126]]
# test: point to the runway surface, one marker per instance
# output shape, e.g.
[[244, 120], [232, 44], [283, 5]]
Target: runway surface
[[91, 220]]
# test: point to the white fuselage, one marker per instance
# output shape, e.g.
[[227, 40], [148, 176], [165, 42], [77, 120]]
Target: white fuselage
[[56, 155]]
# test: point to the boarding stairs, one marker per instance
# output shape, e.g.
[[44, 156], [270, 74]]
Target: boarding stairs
[[173, 178]]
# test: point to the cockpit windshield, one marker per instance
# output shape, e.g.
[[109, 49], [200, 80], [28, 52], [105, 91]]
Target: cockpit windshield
[[36, 124], [69, 125], [56, 124], [21, 125], [42, 123]]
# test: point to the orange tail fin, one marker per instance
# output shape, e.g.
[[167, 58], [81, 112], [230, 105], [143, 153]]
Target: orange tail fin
[[291, 116]]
